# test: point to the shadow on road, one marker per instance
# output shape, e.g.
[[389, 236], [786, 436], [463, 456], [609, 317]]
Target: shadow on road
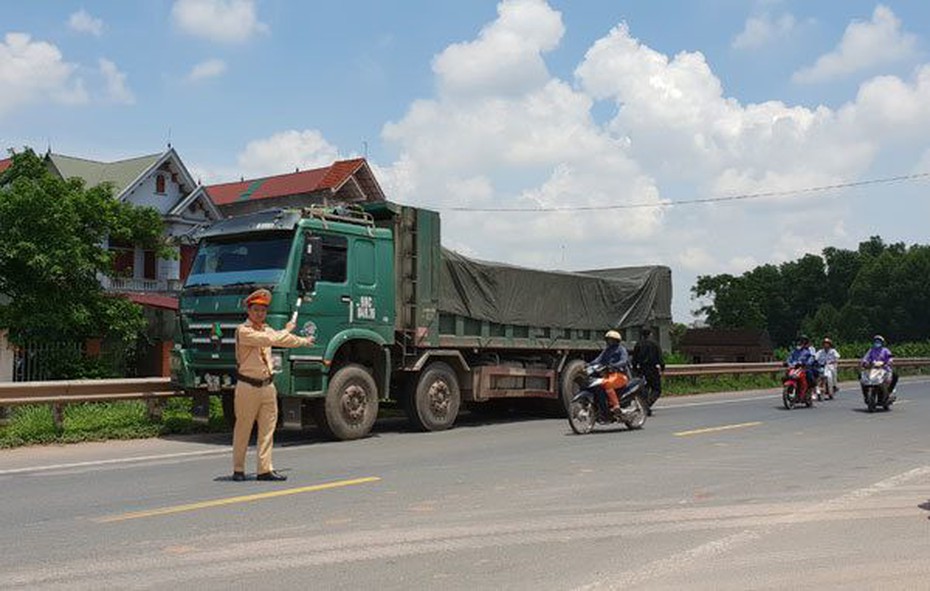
[[393, 423], [925, 506]]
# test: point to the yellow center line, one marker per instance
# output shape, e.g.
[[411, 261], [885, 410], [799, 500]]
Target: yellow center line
[[715, 429], [233, 500]]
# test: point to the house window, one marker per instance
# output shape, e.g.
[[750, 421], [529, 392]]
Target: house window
[[160, 184], [124, 258]]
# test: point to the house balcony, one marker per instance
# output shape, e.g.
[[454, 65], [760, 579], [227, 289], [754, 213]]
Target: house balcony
[[133, 285]]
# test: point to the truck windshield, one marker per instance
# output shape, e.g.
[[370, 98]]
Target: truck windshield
[[241, 260]]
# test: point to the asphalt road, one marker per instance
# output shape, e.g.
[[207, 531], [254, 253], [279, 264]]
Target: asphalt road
[[716, 492]]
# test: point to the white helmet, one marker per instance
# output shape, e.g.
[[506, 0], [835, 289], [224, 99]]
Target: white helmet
[[613, 335]]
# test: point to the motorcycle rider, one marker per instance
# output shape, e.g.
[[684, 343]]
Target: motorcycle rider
[[879, 353], [649, 362], [826, 357], [804, 356], [616, 358]]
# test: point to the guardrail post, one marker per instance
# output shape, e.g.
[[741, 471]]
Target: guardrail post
[[200, 408], [154, 408], [58, 416], [7, 360]]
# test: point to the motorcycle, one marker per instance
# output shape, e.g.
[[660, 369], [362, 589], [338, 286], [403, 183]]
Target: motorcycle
[[589, 406], [795, 389], [875, 380], [826, 383]]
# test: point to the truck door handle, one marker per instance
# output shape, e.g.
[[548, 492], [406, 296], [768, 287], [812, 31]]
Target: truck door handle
[[345, 299]]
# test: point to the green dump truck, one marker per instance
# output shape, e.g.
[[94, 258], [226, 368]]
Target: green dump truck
[[396, 317]]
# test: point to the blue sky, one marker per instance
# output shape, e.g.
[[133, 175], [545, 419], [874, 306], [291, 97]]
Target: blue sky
[[519, 103]]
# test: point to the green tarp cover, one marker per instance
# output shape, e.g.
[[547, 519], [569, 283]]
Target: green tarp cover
[[598, 299]]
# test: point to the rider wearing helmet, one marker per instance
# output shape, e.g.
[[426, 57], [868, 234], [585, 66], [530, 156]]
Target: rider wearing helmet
[[616, 358], [826, 357], [804, 356], [879, 353]]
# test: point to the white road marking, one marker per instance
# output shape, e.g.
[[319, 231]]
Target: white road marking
[[713, 402], [94, 463]]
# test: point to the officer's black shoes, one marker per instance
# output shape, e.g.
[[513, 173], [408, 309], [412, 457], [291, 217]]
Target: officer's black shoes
[[275, 476], [238, 476]]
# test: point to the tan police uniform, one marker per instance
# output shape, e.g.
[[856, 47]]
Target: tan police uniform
[[257, 400]]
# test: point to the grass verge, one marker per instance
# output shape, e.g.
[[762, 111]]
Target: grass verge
[[33, 424]]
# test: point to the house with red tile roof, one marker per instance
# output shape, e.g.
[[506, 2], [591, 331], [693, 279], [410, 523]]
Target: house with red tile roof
[[344, 181], [5, 163]]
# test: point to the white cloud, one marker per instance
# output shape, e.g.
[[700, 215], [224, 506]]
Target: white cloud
[[286, 151], [82, 22], [115, 81], [683, 128], [529, 140], [35, 72], [763, 30], [864, 46], [225, 21], [695, 258], [507, 56], [210, 68]]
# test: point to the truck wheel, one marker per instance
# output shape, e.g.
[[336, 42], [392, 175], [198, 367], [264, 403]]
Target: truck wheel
[[351, 404], [570, 381], [434, 404]]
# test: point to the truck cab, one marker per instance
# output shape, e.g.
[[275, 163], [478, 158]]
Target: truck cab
[[331, 270]]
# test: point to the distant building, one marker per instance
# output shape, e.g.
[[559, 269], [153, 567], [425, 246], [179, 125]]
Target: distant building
[[160, 181], [345, 181], [726, 345]]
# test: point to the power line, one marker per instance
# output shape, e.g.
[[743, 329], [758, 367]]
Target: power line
[[740, 197]]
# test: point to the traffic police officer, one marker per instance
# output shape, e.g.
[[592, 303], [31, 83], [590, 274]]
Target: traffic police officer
[[256, 397]]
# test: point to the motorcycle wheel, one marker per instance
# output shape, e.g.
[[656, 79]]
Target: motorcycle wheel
[[637, 418], [787, 397], [871, 399], [581, 416]]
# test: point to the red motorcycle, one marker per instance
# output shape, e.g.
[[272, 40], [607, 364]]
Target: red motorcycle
[[795, 389]]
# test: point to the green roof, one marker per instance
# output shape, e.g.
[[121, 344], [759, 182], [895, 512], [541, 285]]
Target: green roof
[[120, 173]]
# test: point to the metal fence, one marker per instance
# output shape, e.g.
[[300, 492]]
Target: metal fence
[[35, 362]]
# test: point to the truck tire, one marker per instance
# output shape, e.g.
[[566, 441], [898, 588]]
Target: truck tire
[[433, 404], [351, 404], [570, 381]]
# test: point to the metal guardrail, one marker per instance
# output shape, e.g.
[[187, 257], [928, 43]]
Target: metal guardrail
[[711, 369], [59, 393]]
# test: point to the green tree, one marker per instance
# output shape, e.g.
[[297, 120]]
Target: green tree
[[847, 294], [52, 255]]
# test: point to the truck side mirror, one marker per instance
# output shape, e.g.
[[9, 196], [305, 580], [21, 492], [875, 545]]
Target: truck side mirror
[[310, 265]]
